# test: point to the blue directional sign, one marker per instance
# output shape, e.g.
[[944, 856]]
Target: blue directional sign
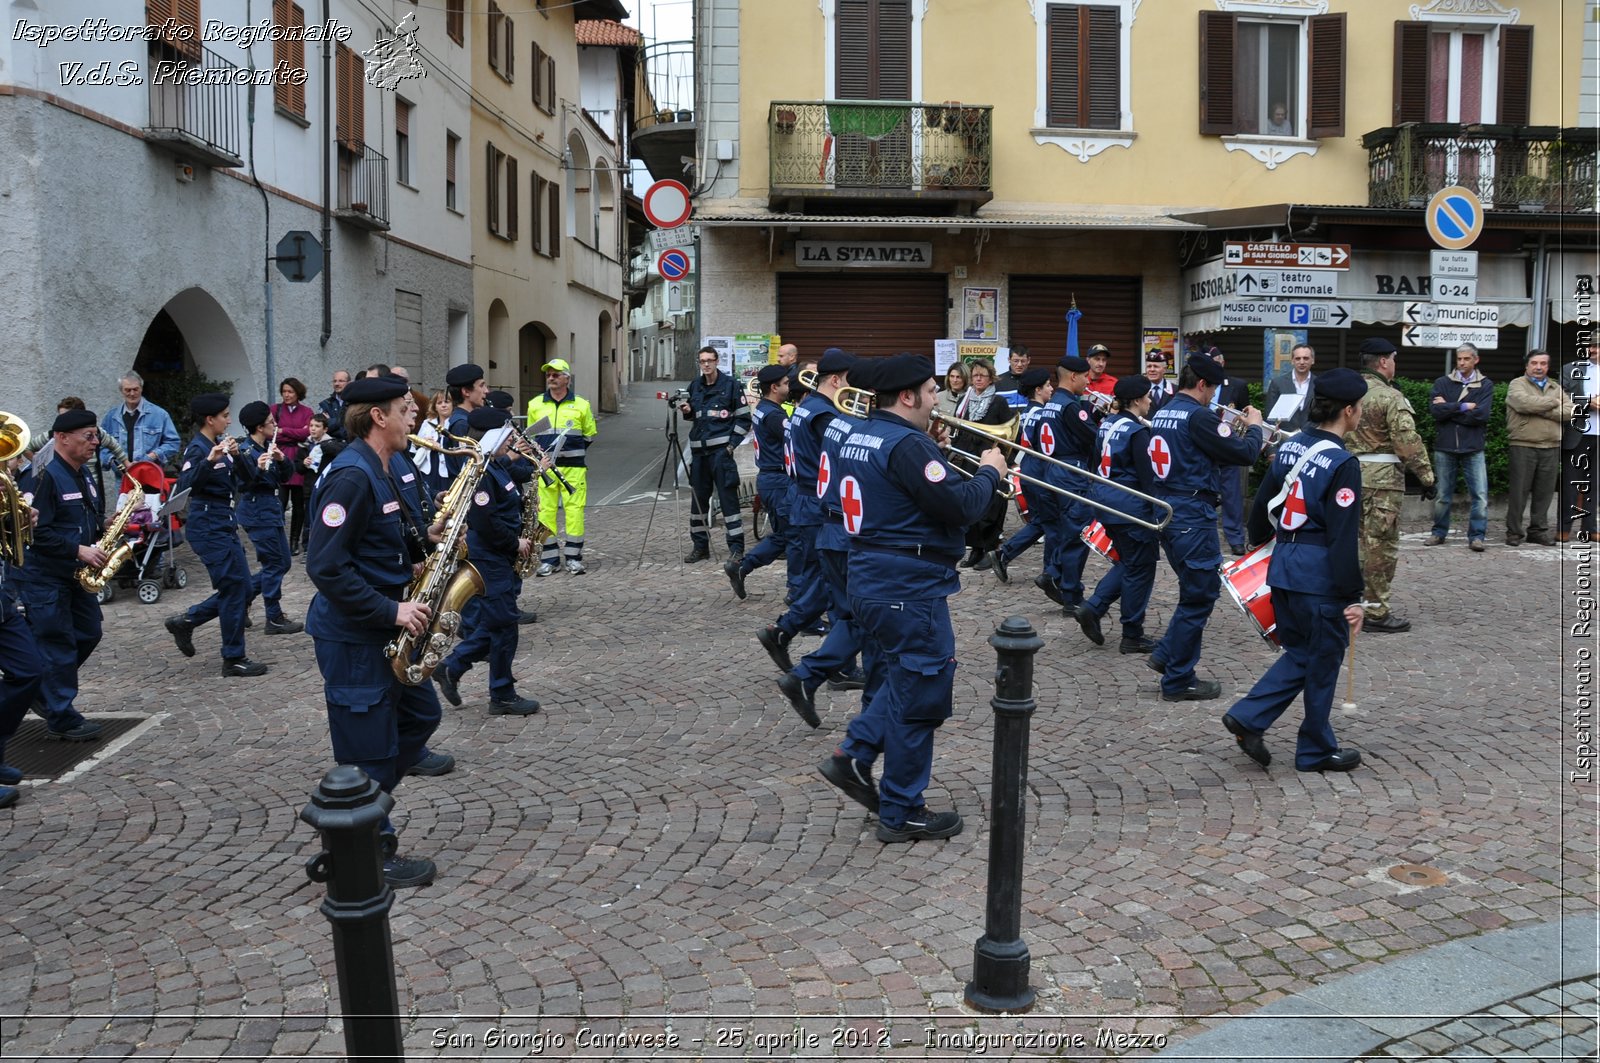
[[1251, 312], [1454, 217]]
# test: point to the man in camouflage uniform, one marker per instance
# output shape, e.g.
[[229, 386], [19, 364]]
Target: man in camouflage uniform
[[1385, 442]]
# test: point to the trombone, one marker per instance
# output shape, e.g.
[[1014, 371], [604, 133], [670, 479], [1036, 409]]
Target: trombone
[[1232, 417]]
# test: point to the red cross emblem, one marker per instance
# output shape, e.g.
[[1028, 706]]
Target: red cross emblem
[[1294, 509], [1105, 459], [788, 457], [755, 441], [1160, 457], [850, 504], [823, 476], [1047, 439]]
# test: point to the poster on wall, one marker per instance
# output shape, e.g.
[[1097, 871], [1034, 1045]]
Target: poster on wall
[[944, 356], [969, 351], [751, 351], [980, 313], [723, 345], [1280, 345], [1164, 340]]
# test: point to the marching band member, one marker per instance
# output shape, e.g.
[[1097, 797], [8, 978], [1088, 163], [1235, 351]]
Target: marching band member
[[1188, 443], [63, 617], [1125, 459], [360, 559], [1065, 432], [1311, 497], [264, 469], [772, 477], [906, 536], [561, 409], [1035, 386], [210, 476], [494, 524]]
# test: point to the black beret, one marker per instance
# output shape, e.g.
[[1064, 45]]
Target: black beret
[[864, 374], [1342, 385], [835, 360], [899, 372], [500, 400], [769, 375], [1206, 368], [72, 420], [1129, 388], [1372, 345], [1074, 363], [487, 418], [463, 376], [1100, 348], [375, 389], [254, 415], [1031, 380], [208, 405]]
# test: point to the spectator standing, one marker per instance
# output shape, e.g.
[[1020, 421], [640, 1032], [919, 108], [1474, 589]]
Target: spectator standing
[[1099, 380], [721, 421], [144, 429], [1460, 405], [1579, 450], [432, 429], [955, 388], [1009, 383], [333, 405], [984, 405], [1155, 374], [568, 416], [1231, 479], [294, 428], [1536, 411], [1300, 381]]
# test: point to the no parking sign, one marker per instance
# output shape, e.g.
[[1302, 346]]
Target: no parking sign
[[673, 265]]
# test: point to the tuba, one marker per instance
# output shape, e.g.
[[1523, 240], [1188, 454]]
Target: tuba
[[447, 580], [16, 523], [117, 549]]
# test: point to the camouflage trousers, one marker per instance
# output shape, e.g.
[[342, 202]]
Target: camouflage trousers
[[1380, 546]]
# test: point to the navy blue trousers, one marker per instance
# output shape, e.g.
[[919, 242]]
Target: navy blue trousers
[[65, 620], [271, 543], [490, 623], [213, 536], [1131, 580], [838, 650], [1314, 635], [1196, 560], [22, 664]]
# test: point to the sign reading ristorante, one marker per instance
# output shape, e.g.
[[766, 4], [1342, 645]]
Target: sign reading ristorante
[[869, 254]]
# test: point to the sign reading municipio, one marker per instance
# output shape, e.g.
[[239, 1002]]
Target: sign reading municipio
[[862, 254]]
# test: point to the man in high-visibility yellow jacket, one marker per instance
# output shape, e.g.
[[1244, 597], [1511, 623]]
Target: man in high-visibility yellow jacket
[[562, 411]]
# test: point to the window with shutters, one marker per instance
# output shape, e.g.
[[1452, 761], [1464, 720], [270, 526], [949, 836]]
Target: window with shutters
[[1083, 63], [544, 79], [289, 94], [179, 21], [350, 105], [546, 203], [501, 190], [402, 141], [1465, 74], [1271, 77], [502, 42], [452, 148], [455, 20]]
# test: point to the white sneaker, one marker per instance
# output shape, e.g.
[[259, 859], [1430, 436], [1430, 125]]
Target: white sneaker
[[546, 569], [576, 567]]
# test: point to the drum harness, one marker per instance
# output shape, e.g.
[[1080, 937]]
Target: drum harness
[[1275, 507]]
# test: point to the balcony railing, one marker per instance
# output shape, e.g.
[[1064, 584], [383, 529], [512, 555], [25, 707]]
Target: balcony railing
[[929, 153], [363, 187], [194, 107], [1533, 168], [669, 76]]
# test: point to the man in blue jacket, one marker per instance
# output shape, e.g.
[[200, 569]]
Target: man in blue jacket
[[1461, 403], [144, 429]]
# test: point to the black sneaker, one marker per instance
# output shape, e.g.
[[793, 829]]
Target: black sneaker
[[526, 617], [1089, 621], [447, 686], [243, 667], [82, 731], [922, 824], [1199, 690], [1249, 741], [433, 764], [971, 559], [182, 633], [735, 577], [284, 626], [852, 680], [804, 702], [512, 706], [998, 566], [699, 553], [401, 872], [1051, 589], [853, 777], [776, 640], [1136, 645]]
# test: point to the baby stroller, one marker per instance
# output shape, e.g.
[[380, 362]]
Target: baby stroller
[[155, 531]]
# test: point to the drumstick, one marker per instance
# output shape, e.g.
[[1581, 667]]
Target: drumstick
[[1350, 671]]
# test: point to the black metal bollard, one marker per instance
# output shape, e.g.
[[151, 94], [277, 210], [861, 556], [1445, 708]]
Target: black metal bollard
[[348, 809], [1000, 959]]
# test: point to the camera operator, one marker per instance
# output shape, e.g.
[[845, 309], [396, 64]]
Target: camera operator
[[721, 419]]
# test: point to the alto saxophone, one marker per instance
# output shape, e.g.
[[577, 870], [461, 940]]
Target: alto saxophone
[[117, 549], [533, 530], [447, 580]]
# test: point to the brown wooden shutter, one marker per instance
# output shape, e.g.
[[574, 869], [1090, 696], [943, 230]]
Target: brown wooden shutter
[[1111, 306], [893, 51], [537, 66], [1101, 68], [402, 117], [450, 158], [510, 30], [554, 189], [536, 211], [882, 314], [341, 95], [550, 86], [511, 198], [492, 168], [494, 36], [1218, 42], [1410, 72], [1326, 96], [187, 12], [157, 11], [297, 58], [282, 89], [1516, 74], [355, 77], [455, 20], [852, 62], [1061, 94]]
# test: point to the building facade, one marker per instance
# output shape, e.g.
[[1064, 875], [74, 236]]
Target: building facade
[[881, 174]]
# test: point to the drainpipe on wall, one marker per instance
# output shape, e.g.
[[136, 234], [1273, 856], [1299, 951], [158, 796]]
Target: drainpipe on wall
[[327, 210], [266, 208], [1541, 292]]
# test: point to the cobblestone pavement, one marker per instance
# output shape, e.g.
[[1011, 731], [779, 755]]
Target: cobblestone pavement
[[655, 856], [1555, 1023]]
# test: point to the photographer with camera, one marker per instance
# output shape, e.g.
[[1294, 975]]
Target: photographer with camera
[[716, 405]]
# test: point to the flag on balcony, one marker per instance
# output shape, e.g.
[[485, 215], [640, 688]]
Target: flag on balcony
[[1072, 327]]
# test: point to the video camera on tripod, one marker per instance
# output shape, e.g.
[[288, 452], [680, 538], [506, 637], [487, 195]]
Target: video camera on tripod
[[676, 398]]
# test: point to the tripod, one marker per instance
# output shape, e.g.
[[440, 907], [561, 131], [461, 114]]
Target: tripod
[[673, 458]]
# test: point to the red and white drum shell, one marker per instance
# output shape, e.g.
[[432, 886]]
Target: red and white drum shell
[[1099, 541], [1246, 581]]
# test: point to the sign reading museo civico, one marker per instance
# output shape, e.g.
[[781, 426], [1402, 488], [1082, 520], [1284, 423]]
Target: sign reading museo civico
[[862, 254]]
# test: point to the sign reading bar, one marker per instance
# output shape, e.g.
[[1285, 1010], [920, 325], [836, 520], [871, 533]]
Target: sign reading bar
[[863, 254], [1290, 315], [1241, 254], [1305, 283], [1482, 315], [1486, 339]]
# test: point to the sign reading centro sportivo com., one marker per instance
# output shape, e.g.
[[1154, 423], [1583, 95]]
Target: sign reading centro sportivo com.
[[862, 254]]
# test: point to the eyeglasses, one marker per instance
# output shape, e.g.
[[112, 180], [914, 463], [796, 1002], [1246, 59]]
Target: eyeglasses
[[708, 361]]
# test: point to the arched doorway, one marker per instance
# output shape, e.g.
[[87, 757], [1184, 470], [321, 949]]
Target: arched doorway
[[606, 360], [189, 348], [499, 344], [535, 346]]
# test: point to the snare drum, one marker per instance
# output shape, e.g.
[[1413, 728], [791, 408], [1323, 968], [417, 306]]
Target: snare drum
[[1099, 541], [1246, 580], [1021, 499]]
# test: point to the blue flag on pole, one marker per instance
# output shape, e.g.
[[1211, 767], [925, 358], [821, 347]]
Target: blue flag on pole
[[1072, 329]]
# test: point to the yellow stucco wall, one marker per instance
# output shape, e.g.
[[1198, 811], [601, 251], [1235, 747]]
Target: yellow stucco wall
[[982, 52]]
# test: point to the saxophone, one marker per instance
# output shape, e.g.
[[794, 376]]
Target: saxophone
[[533, 530], [447, 579], [118, 550]]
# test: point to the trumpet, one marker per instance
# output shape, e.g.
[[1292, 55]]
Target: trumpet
[[1099, 401], [16, 525], [1234, 418], [1005, 435]]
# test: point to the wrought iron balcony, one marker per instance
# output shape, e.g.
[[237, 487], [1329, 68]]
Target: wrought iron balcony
[[664, 125], [194, 107], [363, 187], [854, 154], [1532, 168]]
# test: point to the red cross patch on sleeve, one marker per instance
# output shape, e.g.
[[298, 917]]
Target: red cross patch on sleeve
[[1345, 497]]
